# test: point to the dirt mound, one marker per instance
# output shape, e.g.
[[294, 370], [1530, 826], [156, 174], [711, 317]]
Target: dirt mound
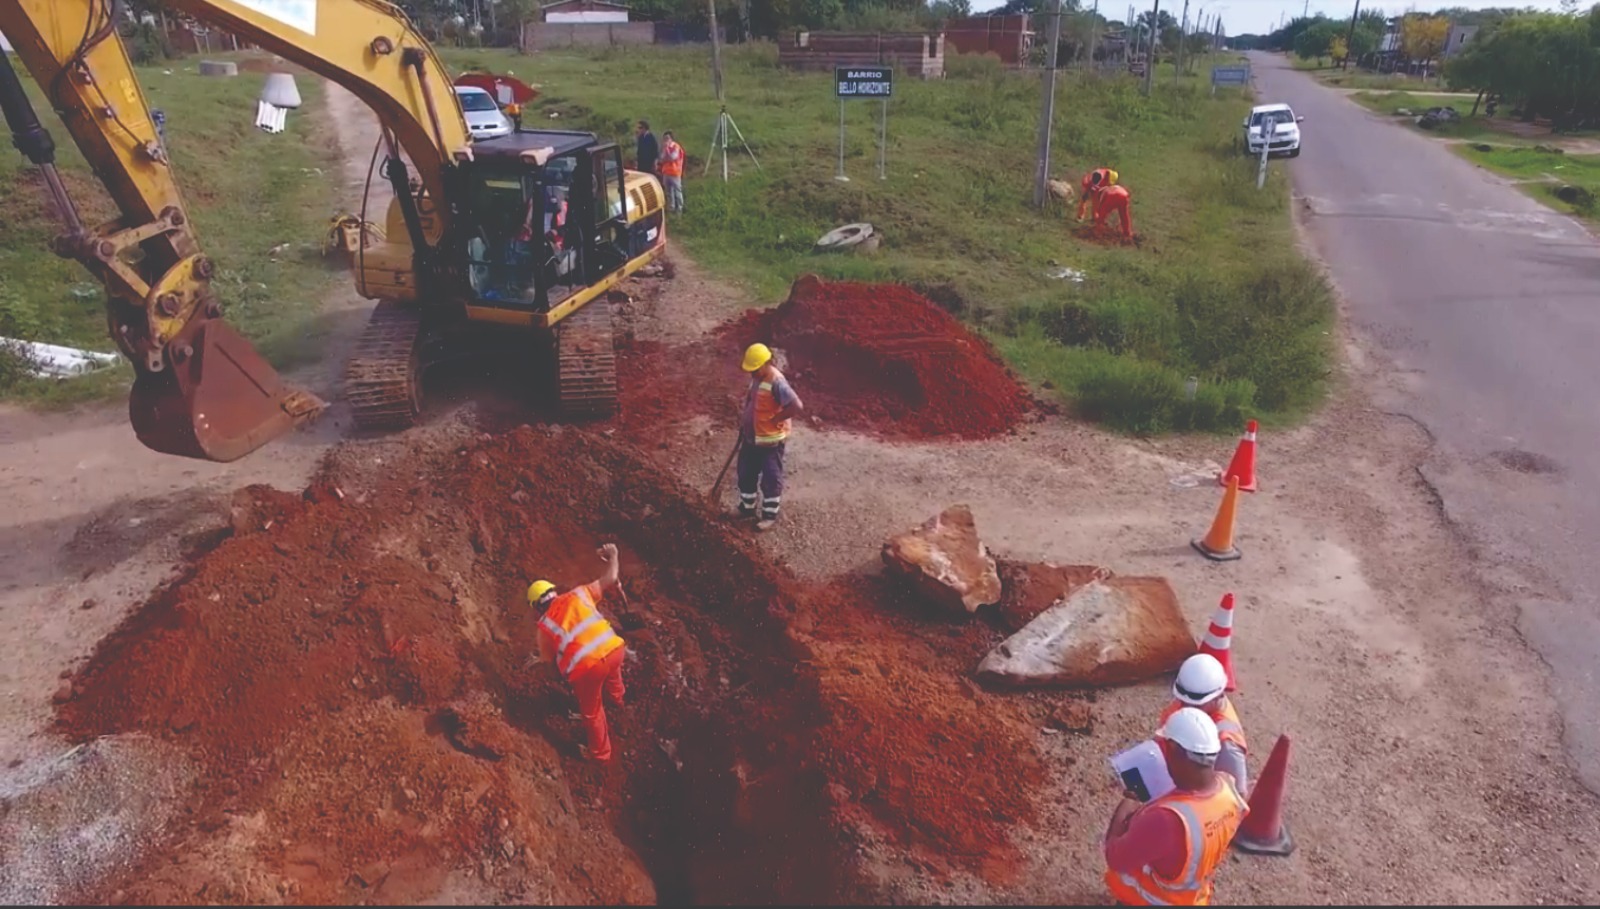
[[347, 670], [884, 358], [876, 358]]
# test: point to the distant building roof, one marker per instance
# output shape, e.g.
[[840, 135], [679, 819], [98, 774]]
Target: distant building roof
[[586, 4]]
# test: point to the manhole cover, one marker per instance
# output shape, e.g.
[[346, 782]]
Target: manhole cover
[[1525, 461]]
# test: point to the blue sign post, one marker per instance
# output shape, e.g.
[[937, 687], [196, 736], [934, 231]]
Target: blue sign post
[[1229, 75]]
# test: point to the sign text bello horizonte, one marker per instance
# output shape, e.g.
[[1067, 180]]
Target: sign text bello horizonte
[[863, 82]]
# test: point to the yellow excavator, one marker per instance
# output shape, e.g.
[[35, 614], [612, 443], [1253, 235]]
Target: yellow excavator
[[525, 232]]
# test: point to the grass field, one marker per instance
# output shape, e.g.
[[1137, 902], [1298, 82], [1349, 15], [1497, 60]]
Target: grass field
[[1357, 78], [247, 192], [1568, 183], [1217, 290], [1468, 127]]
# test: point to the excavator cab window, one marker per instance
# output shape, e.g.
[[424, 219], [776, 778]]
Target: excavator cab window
[[507, 245]]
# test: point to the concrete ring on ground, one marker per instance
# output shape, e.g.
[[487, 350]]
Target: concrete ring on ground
[[845, 237]]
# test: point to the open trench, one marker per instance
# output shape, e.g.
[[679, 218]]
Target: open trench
[[346, 668]]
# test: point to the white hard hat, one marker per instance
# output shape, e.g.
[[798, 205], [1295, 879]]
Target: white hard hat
[[1194, 732], [1200, 678]]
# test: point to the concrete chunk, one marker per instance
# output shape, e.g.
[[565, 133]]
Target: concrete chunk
[[1108, 632], [946, 561]]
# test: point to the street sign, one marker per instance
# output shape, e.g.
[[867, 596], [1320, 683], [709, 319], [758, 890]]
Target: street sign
[[863, 81], [1230, 75]]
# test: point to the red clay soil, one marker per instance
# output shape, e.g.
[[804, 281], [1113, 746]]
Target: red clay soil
[[876, 358], [347, 670]]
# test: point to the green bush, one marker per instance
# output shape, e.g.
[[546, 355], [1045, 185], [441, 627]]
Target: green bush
[[147, 44], [1270, 327], [1148, 398]]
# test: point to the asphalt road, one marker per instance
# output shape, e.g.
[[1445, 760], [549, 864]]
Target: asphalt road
[[1488, 304]]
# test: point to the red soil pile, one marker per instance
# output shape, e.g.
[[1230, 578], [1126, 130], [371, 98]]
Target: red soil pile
[[875, 358], [884, 358], [348, 671]]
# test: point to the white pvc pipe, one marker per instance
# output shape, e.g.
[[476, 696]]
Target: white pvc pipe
[[53, 360]]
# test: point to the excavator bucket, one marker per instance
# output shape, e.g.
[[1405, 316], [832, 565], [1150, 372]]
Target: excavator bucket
[[217, 399]]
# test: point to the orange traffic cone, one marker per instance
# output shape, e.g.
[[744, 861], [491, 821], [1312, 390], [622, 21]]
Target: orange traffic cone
[[1218, 543], [1218, 641], [1263, 831], [1243, 464]]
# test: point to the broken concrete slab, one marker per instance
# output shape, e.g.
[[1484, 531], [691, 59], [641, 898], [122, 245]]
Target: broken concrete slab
[[946, 561], [1114, 631], [1032, 587]]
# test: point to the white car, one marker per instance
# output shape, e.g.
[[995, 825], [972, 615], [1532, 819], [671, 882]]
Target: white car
[[485, 120], [1285, 133]]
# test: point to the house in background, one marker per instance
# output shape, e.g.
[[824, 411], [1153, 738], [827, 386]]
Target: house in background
[[1460, 37], [586, 12]]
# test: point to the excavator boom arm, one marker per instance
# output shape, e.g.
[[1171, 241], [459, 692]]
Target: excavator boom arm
[[201, 389]]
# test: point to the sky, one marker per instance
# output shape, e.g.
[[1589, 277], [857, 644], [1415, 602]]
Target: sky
[[1242, 17]]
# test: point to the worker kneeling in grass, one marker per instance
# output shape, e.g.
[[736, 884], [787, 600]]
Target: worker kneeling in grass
[[583, 647], [1165, 852], [1092, 183], [1202, 683]]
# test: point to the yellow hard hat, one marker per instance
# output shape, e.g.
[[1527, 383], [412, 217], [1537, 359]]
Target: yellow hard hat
[[538, 589], [756, 356], [1113, 180]]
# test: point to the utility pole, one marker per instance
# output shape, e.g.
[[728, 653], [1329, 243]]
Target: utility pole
[[1047, 114], [1183, 29], [1305, 11], [1094, 34], [1155, 42], [1352, 35]]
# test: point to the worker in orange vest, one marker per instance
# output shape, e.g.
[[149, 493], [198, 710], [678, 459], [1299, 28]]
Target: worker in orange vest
[[583, 648], [1110, 199], [1092, 181], [1165, 852], [1202, 684], [672, 172], [769, 408]]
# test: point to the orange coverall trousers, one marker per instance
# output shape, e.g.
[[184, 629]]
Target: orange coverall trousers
[[593, 687]]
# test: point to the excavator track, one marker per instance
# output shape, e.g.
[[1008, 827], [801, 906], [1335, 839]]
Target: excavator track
[[383, 380], [586, 363]]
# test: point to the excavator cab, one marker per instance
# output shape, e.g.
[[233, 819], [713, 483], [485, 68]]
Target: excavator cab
[[549, 215]]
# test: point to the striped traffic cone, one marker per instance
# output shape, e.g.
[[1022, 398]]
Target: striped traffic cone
[[1243, 464], [1218, 641]]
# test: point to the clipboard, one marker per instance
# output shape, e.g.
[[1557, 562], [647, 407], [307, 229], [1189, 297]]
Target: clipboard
[[1142, 770]]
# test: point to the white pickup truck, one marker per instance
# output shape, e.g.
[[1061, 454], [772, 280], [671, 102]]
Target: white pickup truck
[[1285, 134]]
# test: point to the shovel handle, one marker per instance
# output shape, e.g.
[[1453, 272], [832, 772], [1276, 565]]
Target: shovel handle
[[716, 487]]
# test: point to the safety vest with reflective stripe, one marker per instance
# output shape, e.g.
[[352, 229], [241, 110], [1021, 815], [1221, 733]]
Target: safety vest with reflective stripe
[[768, 430], [671, 159], [1209, 823], [1221, 711], [582, 636]]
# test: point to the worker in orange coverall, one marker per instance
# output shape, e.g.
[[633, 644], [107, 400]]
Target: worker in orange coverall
[[1092, 181], [1110, 199], [583, 648]]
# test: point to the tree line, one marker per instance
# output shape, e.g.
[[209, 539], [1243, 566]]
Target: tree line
[[1539, 64]]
